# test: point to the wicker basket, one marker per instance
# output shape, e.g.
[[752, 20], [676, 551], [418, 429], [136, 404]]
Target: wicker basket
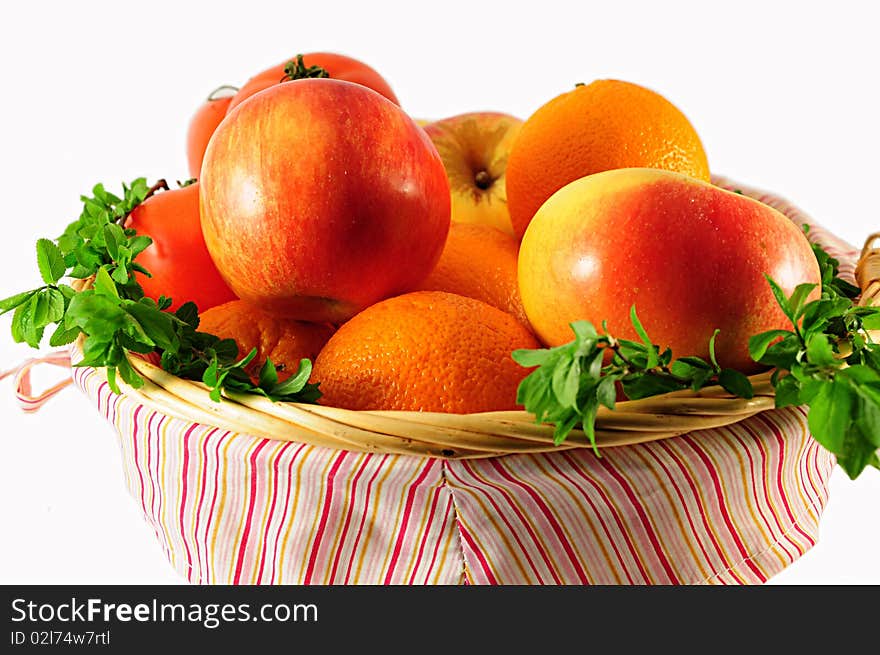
[[489, 434], [690, 488]]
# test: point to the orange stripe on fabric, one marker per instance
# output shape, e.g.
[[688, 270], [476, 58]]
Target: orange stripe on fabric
[[672, 448], [261, 540], [388, 466], [687, 536], [399, 514], [300, 458]]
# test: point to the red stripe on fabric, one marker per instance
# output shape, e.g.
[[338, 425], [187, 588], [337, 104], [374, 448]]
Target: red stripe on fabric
[[325, 512], [348, 514], [777, 434], [250, 513], [596, 514], [183, 490], [137, 463], [499, 512], [154, 522], [275, 465], [407, 512], [284, 513], [643, 517], [211, 515], [360, 529], [554, 524], [613, 511], [165, 541], [202, 498], [446, 515], [426, 532], [782, 531], [487, 570], [696, 494], [722, 506], [687, 514]]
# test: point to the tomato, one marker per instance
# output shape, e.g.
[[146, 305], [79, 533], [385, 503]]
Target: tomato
[[178, 259], [202, 126], [339, 67]]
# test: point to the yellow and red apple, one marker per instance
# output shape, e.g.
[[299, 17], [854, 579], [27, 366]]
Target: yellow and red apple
[[690, 256], [320, 197], [474, 148]]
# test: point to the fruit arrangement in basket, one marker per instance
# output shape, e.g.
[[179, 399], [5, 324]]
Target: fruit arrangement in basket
[[473, 286]]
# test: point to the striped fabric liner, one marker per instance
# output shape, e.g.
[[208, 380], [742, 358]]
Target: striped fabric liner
[[730, 505]]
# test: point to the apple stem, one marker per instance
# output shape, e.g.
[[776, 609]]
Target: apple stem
[[483, 180], [297, 70], [161, 185]]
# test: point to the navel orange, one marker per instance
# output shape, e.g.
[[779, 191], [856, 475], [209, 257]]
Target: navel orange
[[424, 351]]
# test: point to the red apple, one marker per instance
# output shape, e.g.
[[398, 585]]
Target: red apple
[[321, 197], [689, 255], [474, 148]]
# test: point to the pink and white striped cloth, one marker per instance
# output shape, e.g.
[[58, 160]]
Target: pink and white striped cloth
[[727, 505]]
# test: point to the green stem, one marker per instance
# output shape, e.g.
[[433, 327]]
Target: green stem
[[297, 70]]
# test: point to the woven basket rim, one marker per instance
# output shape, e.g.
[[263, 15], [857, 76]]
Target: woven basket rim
[[464, 436]]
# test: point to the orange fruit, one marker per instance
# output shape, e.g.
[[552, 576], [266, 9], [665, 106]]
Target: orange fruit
[[424, 351], [285, 341], [593, 128], [479, 261]]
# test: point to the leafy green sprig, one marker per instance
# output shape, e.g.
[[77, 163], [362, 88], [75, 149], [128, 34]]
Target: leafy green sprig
[[571, 381], [116, 318], [827, 361]]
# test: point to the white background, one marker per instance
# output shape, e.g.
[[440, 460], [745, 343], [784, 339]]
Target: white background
[[784, 96]]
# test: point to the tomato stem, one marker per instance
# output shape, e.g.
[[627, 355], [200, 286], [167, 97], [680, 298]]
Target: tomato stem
[[297, 70], [225, 91], [161, 185]]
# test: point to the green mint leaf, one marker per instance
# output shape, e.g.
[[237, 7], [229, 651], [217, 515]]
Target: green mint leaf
[[787, 390], [650, 350], [565, 382], [247, 359], [781, 299], [606, 392], [120, 275], [529, 358], [137, 244], [736, 383], [20, 320], [268, 375], [62, 336], [210, 376], [10, 303], [798, 298], [830, 414], [113, 238], [646, 385], [104, 284], [584, 330], [189, 314], [712, 356], [820, 352], [97, 315], [50, 261], [157, 325], [296, 382], [784, 353], [128, 374]]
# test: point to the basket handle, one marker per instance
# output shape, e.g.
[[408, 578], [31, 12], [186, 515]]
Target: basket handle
[[28, 401], [867, 271]]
